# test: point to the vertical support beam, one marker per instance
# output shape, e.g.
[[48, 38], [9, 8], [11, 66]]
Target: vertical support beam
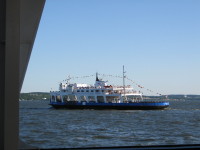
[[87, 99], [104, 99], [2, 68], [12, 14], [95, 97], [11, 87], [78, 98]]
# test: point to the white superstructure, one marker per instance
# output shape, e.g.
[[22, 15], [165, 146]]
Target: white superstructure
[[100, 92]]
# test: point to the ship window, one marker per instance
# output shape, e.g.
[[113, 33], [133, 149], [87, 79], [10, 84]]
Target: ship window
[[100, 99], [65, 98], [92, 90], [97, 90], [58, 98], [102, 90], [87, 90], [78, 91], [82, 90], [53, 98]]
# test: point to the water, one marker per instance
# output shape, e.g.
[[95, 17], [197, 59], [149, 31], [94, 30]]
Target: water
[[45, 127]]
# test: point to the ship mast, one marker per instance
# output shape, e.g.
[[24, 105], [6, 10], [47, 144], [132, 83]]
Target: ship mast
[[124, 83]]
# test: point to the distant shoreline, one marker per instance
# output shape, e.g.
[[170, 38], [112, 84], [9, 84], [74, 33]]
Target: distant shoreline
[[34, 96]]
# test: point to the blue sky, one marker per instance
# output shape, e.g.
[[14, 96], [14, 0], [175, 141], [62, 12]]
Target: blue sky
[[158, 42]]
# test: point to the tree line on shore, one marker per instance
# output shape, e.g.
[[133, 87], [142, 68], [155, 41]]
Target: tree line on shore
[[34, 96]]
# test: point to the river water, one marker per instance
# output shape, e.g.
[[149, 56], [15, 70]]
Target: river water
[[45, 127]]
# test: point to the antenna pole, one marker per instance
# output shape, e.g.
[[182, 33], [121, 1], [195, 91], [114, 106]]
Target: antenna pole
[[124, 82]]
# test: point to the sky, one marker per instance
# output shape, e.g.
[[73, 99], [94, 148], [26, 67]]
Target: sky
[[158, 42]]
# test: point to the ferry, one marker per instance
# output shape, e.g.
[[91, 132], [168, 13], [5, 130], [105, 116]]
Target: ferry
[[101, 96]]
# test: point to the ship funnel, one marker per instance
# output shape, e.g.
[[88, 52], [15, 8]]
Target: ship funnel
[[97, 79]]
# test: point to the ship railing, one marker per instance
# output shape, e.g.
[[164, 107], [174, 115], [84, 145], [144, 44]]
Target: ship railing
[[127, 86], [121, 92]]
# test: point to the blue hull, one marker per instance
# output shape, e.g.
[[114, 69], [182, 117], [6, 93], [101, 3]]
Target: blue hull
[[119, 106]]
